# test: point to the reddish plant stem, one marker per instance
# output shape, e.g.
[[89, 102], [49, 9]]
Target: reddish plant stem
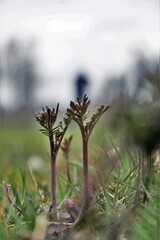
[[53, 177], [85, 173], [86, 193]]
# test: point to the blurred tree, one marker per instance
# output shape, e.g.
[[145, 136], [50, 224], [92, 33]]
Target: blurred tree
[[140, 84], [147, 72], [135, 102], [21, 71]]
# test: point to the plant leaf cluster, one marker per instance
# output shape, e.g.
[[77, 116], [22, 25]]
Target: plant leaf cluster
[[47, 118], [95, 117], [78, 111]]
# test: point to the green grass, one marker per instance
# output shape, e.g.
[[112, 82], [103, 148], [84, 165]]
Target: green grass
[[117, 184]]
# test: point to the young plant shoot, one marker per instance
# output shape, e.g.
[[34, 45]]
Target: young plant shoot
[[47, 118], [65, 147], [79, 113]]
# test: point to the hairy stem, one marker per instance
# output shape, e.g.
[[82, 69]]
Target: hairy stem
[[86, 201], [53, 177], [85, 173]]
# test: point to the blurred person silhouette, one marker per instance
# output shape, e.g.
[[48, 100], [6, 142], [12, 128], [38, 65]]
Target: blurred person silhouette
[[81, 84]]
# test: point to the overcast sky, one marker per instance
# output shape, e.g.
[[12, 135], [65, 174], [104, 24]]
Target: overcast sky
[[98, 36]]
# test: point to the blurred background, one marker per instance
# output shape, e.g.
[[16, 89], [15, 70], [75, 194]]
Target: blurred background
[[55, 50], [52, 51]]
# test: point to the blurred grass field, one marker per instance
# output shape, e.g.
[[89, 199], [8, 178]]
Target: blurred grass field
[[25, 165]]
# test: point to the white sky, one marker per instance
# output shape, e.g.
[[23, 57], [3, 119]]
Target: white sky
[[95, 35]]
